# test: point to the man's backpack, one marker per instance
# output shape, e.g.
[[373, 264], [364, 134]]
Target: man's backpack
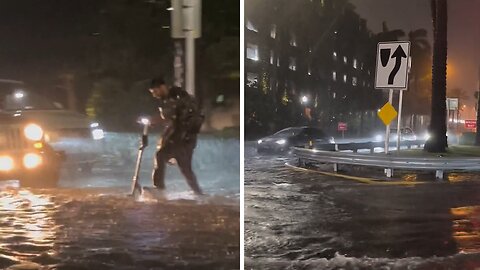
[[190, 116]]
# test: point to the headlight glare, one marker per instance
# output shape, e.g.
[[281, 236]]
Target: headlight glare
[[6, 163], [33, 132], [98, 134], [32, 160]]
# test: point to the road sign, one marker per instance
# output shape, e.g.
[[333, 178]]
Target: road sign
[[342, 126], [387, 113], [392, 65], [471, 124], [452, 104]]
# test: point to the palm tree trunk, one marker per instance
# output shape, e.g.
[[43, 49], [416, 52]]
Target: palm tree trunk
[[438, 127]]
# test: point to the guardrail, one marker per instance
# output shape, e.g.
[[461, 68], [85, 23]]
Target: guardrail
[[388, 162], [366, 145]]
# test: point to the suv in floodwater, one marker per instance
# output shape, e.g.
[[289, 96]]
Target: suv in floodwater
[[24, 154], [70, 133]]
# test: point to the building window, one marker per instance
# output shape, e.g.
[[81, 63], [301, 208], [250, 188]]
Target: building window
[[273, 31], [272, 58], [252, 80], [309, 70], [252, 52], [278, 61], [334, 95], [355, 64], [293, 40], [361, 66], [292, 63], [354, 81], [345, 59], [251, 27], [334, 76], [335, 56], [345, 78], [322, 3]]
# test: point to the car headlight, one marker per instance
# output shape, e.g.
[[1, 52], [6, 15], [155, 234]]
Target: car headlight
[[6, 163], [33, 132], [32, 160], [282, 141], [259, 141], [98, 134]]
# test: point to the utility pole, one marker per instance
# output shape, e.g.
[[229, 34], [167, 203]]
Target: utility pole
[[186, 21]]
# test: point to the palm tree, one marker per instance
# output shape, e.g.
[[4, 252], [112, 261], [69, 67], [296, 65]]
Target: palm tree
[[438, 127]]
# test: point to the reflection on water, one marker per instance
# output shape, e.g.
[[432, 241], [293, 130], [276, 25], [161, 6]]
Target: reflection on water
[[104, 229], [27, 225], [466, 228]]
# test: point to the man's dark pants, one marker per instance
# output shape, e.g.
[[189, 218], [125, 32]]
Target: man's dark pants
[[183, 153]]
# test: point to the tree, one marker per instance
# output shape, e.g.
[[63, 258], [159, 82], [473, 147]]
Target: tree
[[438, 127], [417, 98]]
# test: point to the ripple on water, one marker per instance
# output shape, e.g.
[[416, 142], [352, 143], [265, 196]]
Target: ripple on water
[[77, 229]]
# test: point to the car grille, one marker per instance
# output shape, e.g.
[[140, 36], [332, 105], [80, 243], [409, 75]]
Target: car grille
[[12, 139]]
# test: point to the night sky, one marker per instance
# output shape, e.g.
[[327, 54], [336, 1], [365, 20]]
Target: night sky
[[38, 37], [463, 33]]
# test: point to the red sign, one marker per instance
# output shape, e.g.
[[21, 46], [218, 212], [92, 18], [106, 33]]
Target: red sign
[[471, 124], [342, 126]]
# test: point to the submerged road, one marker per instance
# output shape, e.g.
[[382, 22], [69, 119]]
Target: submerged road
[[305, 220]]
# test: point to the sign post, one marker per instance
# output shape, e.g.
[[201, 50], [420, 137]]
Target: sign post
[[342, 127], [392, 73]]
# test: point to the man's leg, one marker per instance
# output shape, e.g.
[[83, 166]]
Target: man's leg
[[184, 159], [158, 176]]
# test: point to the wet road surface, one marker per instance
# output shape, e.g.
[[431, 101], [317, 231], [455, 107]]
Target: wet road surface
[[305, 220], [105, 229], [89, 222]]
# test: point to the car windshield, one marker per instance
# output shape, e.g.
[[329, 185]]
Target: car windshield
[[288, 132], [14, 100]]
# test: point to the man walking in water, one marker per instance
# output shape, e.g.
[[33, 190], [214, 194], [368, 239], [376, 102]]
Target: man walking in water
[[183, 122]]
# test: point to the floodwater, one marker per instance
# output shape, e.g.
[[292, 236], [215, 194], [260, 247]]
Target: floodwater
[[89, 222], [305, 220]]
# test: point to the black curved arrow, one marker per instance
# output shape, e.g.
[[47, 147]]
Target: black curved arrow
[[398, 54]]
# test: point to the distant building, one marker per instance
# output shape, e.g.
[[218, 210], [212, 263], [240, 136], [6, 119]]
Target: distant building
[[308, 53]]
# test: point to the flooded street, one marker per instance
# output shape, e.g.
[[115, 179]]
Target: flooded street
[[305, 220], [89, 222]]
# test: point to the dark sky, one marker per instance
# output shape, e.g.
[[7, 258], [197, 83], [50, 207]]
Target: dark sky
[[463, 32]]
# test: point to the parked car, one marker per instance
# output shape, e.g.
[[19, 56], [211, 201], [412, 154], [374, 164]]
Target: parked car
[[65, 131], [24, 154], [293, 136]]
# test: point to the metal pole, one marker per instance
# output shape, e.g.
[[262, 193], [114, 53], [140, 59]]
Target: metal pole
[[178, 64], [387, 128], [190, 62], [399, 134]]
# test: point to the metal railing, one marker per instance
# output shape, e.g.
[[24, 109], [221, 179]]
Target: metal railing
[[388, 162]]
